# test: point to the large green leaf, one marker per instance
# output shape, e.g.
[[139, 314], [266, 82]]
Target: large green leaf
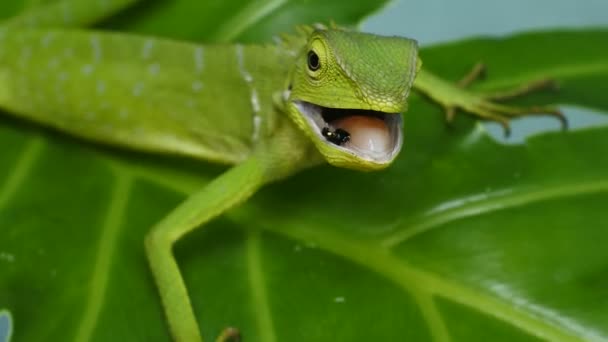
[[464, 238]]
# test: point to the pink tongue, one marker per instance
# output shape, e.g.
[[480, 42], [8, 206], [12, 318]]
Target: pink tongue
[[366, 133]]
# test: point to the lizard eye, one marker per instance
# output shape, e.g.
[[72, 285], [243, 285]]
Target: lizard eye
[[313, 61]]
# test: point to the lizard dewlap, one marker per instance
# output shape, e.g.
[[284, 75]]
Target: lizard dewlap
[[369, 134]]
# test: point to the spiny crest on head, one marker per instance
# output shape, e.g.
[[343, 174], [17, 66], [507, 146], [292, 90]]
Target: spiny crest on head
[[294, 41]]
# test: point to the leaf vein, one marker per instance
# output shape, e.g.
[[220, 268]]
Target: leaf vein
[[21, 170], [100, 276], [433, 318], [247, 17], [258, 289], [477, 205]]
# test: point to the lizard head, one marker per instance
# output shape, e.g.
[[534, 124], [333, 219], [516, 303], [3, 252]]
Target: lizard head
[[347, 91]]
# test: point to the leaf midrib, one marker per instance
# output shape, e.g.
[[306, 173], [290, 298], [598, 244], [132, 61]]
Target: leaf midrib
[[421, 284], [99, 278], [244, 19]]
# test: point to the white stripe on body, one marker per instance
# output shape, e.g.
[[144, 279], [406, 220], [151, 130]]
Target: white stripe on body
[[254, 98]]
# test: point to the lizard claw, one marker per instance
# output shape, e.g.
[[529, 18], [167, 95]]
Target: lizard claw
[[229, 334], [477, 72]]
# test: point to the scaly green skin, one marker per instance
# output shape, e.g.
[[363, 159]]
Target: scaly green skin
[[227, 103], [379, 78], [142, 93]]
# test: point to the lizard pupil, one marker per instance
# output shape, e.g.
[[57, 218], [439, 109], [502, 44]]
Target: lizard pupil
[[313, 61], [338, 137]]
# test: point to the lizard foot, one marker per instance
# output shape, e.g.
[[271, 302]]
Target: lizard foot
[[454, 97], [229, 334]]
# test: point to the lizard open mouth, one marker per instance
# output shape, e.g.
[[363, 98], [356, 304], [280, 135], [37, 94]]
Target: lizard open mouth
[[371, 135]]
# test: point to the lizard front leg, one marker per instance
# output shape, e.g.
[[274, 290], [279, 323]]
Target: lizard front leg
[[454, 96], [230, 189]]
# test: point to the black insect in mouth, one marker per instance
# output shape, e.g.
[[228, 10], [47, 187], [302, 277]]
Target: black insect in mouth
[[371, 135], [338, 136]]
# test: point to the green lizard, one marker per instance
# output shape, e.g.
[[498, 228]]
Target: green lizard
[[323, 95]]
